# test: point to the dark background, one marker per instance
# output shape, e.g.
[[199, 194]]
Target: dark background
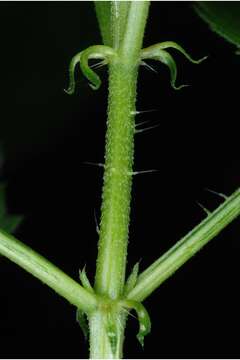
[[46, 137]]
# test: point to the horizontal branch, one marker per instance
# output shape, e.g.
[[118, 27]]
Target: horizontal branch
[[184, 249], [45, 271]]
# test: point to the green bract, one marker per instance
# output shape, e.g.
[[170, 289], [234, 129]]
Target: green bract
[[158, 52], [143, 318], [102, 52]]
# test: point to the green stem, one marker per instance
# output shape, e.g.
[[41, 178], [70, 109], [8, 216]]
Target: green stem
[[123, 70], [100, 347], [113, 239], [184, 249], [45, 271], [116, 196]]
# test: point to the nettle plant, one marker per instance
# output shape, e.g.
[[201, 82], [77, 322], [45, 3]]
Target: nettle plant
[[103, 307]]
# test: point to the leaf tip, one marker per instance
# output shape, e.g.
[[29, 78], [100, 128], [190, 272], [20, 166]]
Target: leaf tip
[[200, 60], [69, 91], [95, 86], [178, 87]]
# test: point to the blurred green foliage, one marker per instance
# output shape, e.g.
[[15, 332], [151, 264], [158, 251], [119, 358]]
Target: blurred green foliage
[[223, 18], [8, 222]]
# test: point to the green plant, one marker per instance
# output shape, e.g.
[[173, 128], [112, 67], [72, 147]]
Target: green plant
[[108, 303]]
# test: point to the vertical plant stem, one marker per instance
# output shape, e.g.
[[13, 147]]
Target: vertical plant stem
[[116, 196], [117, 180], [100, 347], [111, 263]]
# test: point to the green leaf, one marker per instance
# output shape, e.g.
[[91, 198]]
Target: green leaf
[[92, 52], [82, 321], [168, 60], [222, 17], [103, 11], [8, 223], [84, 280], [119, 20], [94, 79], [157, 52], [112, 18], [143, 318], [176, 46], [132, 279], [71, 87]]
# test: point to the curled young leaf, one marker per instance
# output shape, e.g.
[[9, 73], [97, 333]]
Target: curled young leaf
[[158, 52], [71, 87], [173, 45], [143, 318], [94, 79], [167, 59], [102, 52], [94, 52]]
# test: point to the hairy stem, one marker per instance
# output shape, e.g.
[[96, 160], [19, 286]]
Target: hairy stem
[[116, 196], [111, 263], [100, 346], [117, 180]]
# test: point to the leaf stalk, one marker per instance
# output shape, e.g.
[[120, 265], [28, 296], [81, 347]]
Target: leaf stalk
[[48, 273], [187, 247]]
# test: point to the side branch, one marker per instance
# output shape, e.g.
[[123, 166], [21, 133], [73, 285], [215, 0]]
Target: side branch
[[184, 249], [45, 271]]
